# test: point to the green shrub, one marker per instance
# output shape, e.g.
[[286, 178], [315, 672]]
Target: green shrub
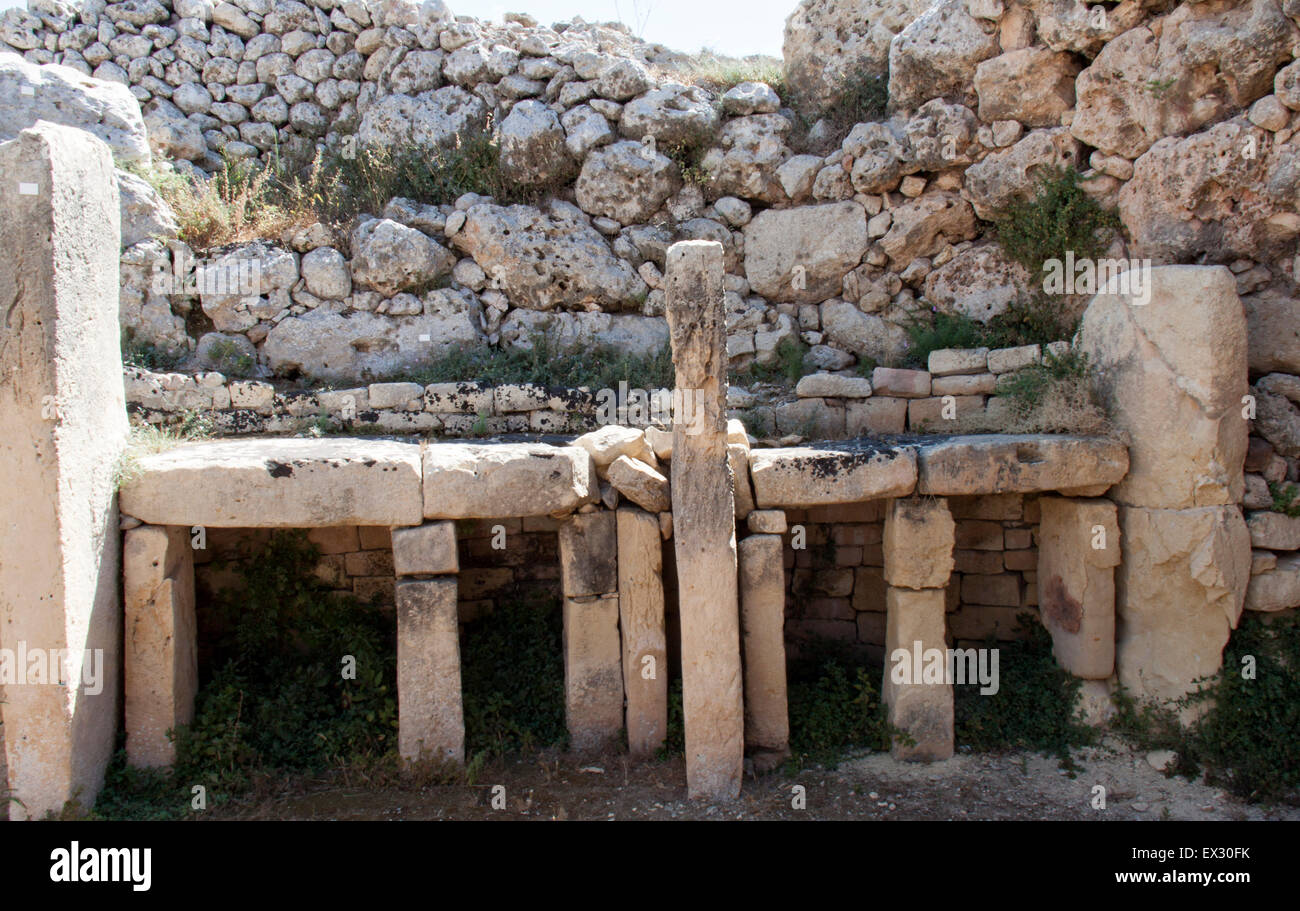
[[1285, 497], [1034, 707], [227, 358], [136, 352], [1061, 217], [1036, 320], [512, 674], [790, 365], [675, 733], [276, 700], [837, 710], [1055, 396]]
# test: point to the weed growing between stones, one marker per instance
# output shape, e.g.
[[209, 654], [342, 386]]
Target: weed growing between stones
[[547, 363], [1060, 217], [721, 74], [1245, 740], [789, 366], [227, 358], [512, 673], [1036, 320], [279, 697], [834, 701], [1285, 497], [146, 439], [1034, 707], [137, 352], [1055, 396]]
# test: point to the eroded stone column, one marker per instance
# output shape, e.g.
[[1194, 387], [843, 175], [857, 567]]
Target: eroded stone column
[[704, 532], [161, 646], [762, 617], [593, 665], [641, 618], [63, 412], [918, 544], [1078, 550], [430, 710]]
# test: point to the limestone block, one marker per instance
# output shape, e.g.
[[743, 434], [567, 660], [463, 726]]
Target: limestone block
[[278, 483], [914, 623], [1179, 593], [589, 554], [1273, 530], [918, 543], [762, 619], [495, 480], [1171, 373], [593, 673], [1078, 550], [1005, 463], [738, 459], [641, 622], [428, 549], [767, 521], [792, 478], [430, 717], [643, 485], [160, 660], [62, 406], [1277, 588]]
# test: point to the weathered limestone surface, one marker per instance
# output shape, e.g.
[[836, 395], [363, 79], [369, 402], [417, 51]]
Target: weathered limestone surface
[[593, 673], [1277, 588], [641, 621], [1172, 373], [278, 483], [589, 555], [160, 661], [918, 542], [704, 530], [762, 619], [430, 718], [1180, 591], [1005, 463], [428, 549], [1078, 550], [62, 407], [738, 459], [643, 485], [494, 480], [791, 478], [914, 622]]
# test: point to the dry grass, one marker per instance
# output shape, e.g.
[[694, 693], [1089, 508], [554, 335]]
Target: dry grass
[[149, 439], [717, 73]]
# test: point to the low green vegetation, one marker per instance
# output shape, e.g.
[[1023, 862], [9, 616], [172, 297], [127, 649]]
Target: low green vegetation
[[145, 439], [136, 352], [1056, 396], [835, 707], [720, 74], [1060, 217], [1245, 740], [789, 366], [547, 363], [1286, 498], [227, 358], [298, 679], [1034, 707], [1035, 320]]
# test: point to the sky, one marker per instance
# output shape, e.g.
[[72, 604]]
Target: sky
[[732, 27]]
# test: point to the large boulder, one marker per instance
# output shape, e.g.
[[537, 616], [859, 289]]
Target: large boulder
[[329, 345], [936, 55], [746, 158], [627, 182], [1210, 196], [1273, 331], [640, 335], [924, 226], [865, 334], [171, 133], [62, 95], [1014, 173], [979, 282], [532, 145], [247, 284], [1179, 72], [802, 254], [145, 216], [1075, 25], [390, 257], [673, 114], [546, 260], [436, 118], [830, 41], [505, 479], [1171, 373], [1033, 85], [1179, 594]]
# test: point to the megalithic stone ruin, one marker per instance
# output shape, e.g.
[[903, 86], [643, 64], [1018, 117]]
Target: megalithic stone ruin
[[63, 409], [704, 531]]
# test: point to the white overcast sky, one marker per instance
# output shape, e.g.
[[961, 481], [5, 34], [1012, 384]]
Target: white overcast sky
[[735, 27]]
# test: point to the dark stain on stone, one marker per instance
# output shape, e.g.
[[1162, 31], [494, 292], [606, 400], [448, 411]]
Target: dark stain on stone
[[1058, 606], [279, 469]]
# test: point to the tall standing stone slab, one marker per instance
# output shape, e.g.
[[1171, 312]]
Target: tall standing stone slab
[[593, 672], [1078, 550], [914, 625], [430, 717], [762, 620], [704, 532], [589, 554], [641, 619], [160, 664], [63, 411]]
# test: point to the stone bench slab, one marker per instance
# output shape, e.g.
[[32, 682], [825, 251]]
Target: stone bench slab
[[278, 483], [802, 477], [498, 480], [1008, 463]]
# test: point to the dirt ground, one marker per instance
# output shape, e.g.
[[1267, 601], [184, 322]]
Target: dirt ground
[[1019, 786]]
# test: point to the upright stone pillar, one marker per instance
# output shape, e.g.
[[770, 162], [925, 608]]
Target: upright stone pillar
[[63, 412], [593, 661], [161, 663], [762, 619], [918, 544], [641, 617], [1169, 361], [430, 712], [1078, 550], [704, 532]]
